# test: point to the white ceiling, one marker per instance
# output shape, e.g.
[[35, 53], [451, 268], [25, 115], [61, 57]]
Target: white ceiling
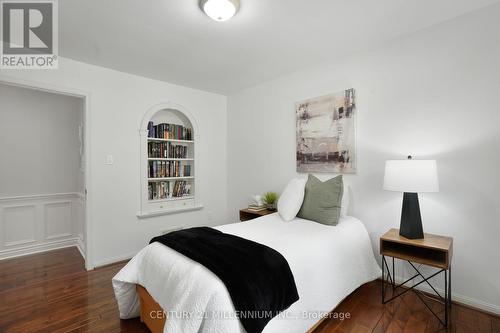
[[172, 40]]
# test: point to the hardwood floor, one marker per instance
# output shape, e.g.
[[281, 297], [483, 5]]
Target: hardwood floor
[[407, 314], [52, 292]]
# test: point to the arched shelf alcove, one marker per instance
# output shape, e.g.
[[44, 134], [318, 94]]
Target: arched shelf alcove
[[168, 136]]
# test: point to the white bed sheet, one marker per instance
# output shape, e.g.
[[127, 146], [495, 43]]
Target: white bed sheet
[[328, 263]]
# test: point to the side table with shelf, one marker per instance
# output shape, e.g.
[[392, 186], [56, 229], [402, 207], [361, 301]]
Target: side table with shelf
[[432, 250], [248, 214]]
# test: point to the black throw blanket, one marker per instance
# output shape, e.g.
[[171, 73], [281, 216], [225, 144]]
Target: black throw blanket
[[257, 277]]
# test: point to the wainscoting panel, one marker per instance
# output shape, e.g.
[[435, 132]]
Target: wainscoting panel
[[19, 225], [31, 224], [57, 220]]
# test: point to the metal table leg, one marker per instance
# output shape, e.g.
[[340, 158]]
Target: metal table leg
[[449, 287], [393, 276], [446, 307], [447, 292]]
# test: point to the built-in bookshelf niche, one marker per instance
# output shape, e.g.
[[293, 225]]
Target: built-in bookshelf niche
[[168, 137]]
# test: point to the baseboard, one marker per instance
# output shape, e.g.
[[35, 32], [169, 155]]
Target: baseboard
[[37, 248], [461, 299], [113, 260], [81, 247]]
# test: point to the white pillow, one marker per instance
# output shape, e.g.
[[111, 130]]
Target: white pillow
[[291, 199], [345, 201]]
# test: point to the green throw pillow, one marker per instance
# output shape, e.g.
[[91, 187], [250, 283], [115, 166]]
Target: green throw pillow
[[322, 200]]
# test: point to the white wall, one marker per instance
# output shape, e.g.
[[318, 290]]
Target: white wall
[[39, 142], [118, 102], [434, 94]]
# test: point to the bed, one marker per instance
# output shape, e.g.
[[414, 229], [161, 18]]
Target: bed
[[327, 262]]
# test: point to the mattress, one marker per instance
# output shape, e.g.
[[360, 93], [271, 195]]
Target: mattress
[[328, 263]]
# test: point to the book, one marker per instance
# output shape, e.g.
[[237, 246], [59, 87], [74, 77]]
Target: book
[[150, 129], [167, 150], [169, 131], [168, 189], [160, 168], [256, 208], [187, 170]]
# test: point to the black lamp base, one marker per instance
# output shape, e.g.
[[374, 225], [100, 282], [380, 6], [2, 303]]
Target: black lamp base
[[411, 221]]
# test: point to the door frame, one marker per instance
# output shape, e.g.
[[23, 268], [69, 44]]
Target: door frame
[[85, 96]]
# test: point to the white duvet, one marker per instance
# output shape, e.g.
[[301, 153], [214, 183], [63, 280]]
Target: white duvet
[[328, 263]]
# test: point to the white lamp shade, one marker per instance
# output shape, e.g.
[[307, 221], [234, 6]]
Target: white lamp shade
[[412, 176]]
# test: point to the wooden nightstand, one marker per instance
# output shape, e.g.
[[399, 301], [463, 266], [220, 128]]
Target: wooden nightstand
[[433, 250], [246, 214]]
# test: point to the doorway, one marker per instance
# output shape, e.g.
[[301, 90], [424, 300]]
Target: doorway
[[43, 170]]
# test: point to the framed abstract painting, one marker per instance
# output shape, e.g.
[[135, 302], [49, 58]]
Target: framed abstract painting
[[326, 133]]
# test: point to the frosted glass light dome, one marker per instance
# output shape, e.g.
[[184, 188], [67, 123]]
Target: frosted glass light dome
[[220, 10]]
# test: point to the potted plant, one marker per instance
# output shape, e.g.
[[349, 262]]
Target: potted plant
[[270, 199]]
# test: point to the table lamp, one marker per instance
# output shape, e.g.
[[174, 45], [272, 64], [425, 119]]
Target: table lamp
[[411, 177]]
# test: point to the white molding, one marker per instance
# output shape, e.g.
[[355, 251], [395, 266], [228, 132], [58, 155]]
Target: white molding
[[41, 197], [145, 215], [43, 86], [459, 298], [168, 106], [32, 249], [80, 246], [35, 238]]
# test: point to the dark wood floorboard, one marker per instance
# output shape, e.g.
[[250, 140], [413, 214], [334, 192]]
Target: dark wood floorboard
[[52, 292], [403, 315]]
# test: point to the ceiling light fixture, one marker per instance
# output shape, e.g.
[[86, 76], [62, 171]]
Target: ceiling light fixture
[[220, 10]]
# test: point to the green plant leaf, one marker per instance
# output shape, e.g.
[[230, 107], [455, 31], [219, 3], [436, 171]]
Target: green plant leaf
[[270, 198]]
